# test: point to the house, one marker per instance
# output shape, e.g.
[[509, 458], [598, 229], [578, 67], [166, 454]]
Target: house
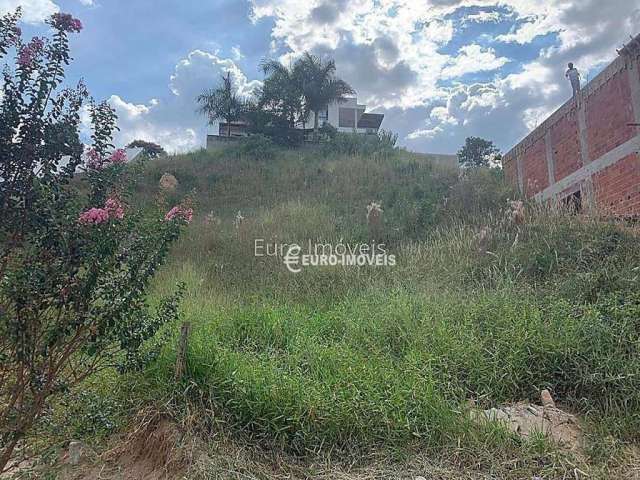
[[349, 117], [238, 129], [586, 153]]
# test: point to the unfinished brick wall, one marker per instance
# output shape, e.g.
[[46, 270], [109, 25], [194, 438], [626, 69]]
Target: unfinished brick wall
[[589, 146], [617, 187], [534, 166], [565, 145]]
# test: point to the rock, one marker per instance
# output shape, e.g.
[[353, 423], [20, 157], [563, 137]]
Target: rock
[[78, 453], [526, 420], [75, 452], [547, 399], [168, 182]]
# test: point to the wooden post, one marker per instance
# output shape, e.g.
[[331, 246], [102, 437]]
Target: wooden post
[[181, 356]]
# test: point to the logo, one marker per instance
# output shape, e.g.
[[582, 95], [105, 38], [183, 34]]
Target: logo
[[292, 258], [326, 254]]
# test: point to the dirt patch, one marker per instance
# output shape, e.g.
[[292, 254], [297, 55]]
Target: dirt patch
[[153, 451], [527, 420]]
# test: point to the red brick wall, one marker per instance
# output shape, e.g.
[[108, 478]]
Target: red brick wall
[[535, 173], [565, 145], [608, 113], [617, 187], [510, 171], [607, 103]]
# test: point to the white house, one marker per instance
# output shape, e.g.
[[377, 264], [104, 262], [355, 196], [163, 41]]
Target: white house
[[349, 117]]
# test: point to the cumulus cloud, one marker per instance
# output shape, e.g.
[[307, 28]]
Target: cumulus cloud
[[473, 58], [172, 120], [33, 11]]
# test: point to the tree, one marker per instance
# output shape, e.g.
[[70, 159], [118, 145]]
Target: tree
[[478, 152], [222, 103], [281, 93], [75, 263], [149, 149], [319, 85]]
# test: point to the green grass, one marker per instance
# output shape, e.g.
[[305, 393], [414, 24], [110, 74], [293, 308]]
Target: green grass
[[341, 359]]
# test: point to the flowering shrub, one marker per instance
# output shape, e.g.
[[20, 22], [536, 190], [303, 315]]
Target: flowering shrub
[[74, 262], [180, 212]]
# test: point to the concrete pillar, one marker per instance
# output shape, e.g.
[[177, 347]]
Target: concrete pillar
[[551, 165], [582, 128], [520, 171], [634, 84], [588, 195]]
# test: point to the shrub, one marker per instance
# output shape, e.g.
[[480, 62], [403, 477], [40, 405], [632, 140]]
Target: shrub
[[258, 146], [357, 144], [73, 267]]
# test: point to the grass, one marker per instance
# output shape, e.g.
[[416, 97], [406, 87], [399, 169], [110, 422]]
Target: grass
[[354, 360]]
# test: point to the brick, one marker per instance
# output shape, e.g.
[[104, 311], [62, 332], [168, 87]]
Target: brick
[[608, 104]]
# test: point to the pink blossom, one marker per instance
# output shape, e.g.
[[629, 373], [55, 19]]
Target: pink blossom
[[66, 22], [179, 211], [93, 216], [119, 156], [94, 160], [28, 53], [114, 208], [25, 57]]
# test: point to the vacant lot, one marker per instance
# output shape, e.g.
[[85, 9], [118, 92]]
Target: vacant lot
[[360, 369]]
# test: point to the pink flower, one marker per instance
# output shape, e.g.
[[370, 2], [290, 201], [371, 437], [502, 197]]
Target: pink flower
[[93, 216], [28, 53], [179, 211], [114, 208], [94, 160], [66, 22], [119, 156]]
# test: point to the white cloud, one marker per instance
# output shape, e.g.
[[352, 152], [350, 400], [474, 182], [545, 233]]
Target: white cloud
[[484, 17], [473, 58], [201, 69], [172, 121], [33, 11]]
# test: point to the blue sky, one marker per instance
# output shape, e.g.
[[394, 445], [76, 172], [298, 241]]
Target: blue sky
[[440, 70]]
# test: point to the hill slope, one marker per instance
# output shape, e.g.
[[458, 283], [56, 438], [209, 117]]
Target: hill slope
[[343, 362]]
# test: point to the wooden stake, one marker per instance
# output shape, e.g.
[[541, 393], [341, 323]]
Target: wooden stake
[[183, 346]]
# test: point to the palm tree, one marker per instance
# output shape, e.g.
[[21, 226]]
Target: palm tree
[[222, 103], [281, 92], [320, 87]]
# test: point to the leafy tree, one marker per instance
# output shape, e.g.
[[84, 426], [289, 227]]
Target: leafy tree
[[478, 152], [149, 149], [222, 103], [74, 267], [320, 87]]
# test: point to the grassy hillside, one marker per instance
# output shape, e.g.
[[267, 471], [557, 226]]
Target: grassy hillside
[[345, 361]]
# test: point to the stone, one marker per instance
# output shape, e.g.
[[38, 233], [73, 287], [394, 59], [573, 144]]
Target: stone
[[547, 399], [525, 420], [75, 452], [168, 182]]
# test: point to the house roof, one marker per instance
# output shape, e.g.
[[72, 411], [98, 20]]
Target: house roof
[[370, 120]]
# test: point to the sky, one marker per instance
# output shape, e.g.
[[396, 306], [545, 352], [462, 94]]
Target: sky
[[440, 70]]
